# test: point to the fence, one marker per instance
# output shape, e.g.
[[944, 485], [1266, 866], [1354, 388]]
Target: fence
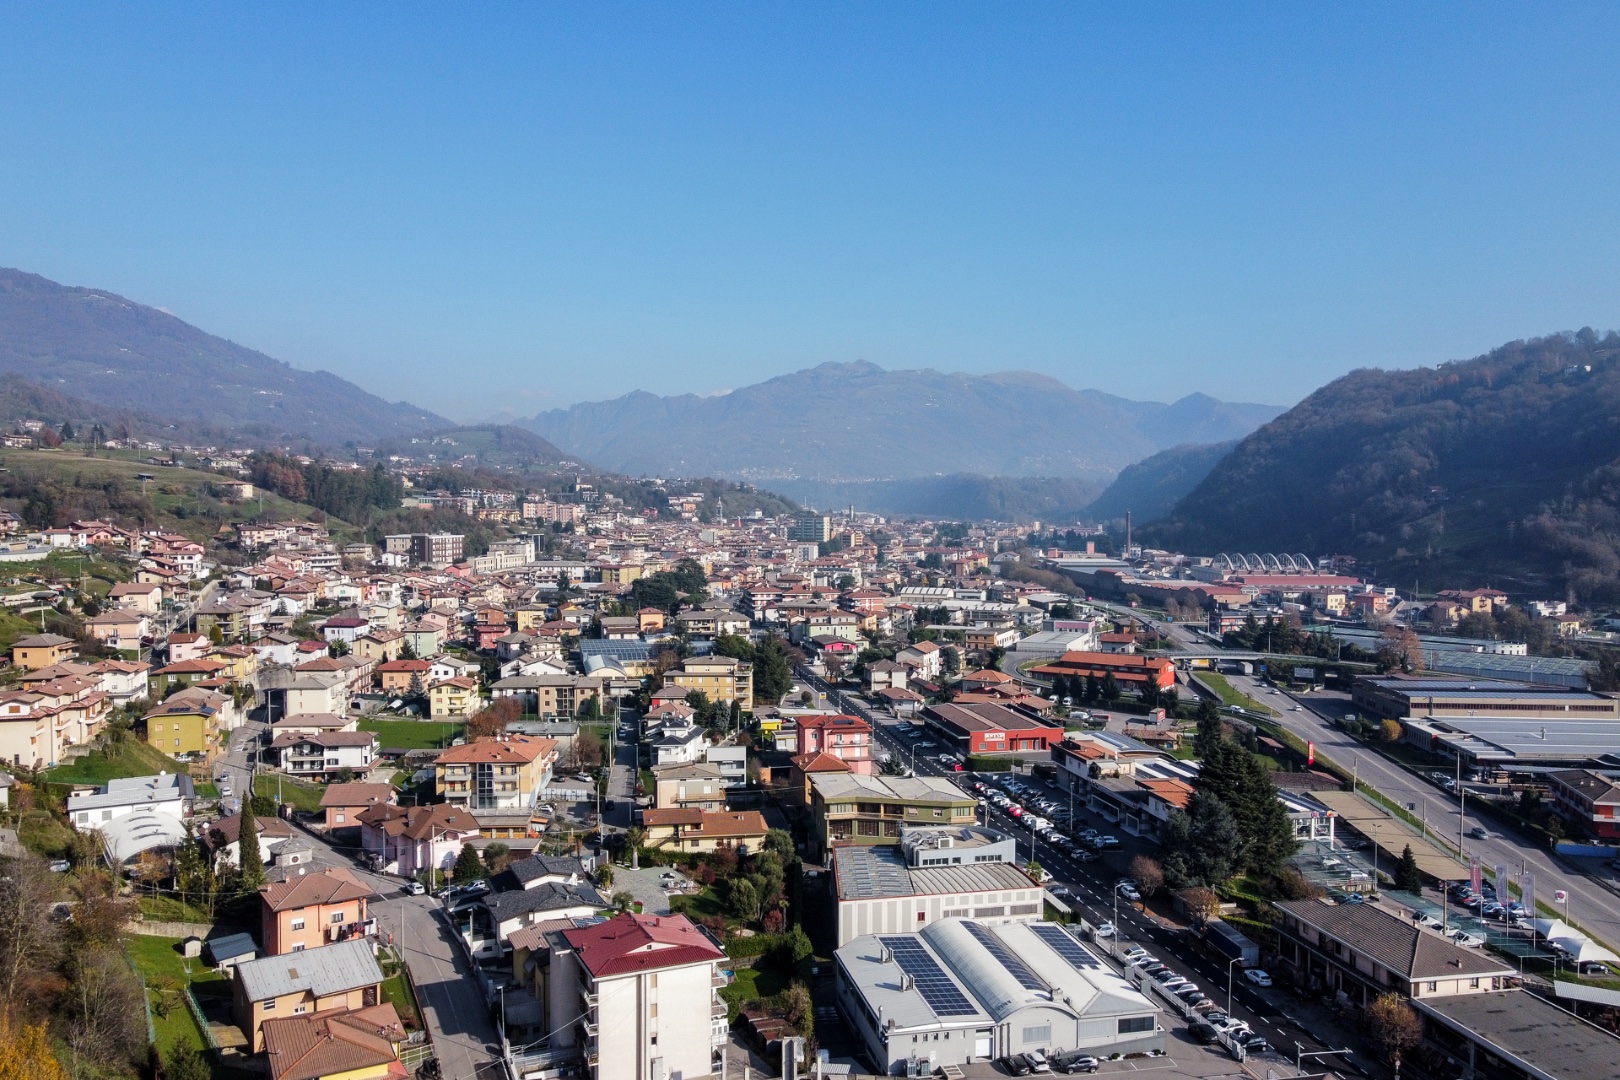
[[202, 1021]]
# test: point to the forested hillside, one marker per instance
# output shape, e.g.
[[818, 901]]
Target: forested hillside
[[1501, 470]]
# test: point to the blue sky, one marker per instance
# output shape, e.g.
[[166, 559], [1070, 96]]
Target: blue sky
[[509, 208]]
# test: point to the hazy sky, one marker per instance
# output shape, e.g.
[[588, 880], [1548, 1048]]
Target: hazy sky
[[520, 206]]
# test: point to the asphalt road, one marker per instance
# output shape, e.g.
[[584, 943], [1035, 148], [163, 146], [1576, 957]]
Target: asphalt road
[[1591, 905], [465, 1039]]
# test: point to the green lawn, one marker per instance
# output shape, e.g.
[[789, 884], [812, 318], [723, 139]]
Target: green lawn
[[753, 984], [164, 971], [131, 757], [302, 796], [698, 905], [1230, 695], [171, 909], [413, 734], [41, 832], [397, 989]]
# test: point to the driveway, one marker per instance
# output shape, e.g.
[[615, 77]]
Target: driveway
[[644, 886]]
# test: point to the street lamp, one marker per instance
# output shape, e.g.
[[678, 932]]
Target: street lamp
[[1229, 985]]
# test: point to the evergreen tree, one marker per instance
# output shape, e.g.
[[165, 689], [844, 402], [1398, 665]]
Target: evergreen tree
[[250, 858], [1110, 687], [468, 866], [1408, 878], [1209, 727], [185, 1063], [773, 675], [1093, 690], [1204, 845]]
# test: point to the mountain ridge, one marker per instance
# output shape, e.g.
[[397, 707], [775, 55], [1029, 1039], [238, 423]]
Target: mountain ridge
[[857, 422], [1503, 470], [117, 352]]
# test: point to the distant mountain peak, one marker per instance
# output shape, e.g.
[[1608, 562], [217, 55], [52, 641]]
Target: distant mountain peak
[[856, 421]]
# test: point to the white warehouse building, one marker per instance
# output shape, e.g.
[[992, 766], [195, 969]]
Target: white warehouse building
[[960, 991]]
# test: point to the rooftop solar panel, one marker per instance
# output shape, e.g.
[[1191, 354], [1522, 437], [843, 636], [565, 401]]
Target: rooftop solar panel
[[1015, 967], [1060, 942], [931, 982]]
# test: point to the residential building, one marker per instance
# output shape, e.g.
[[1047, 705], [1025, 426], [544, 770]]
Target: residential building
[[146, 598], [344, 802], [495, 917], [119, 629], [882, 890], [731, 760], [183, 673], [454, 697], [549, 696], [925, 660], [810, 527], [42, 650], [847, 738], [697, 786], [340, 976], [960, 991], [719, 678], [639, 995], [1361, 951], [704, 830], [324, 754], [396, 676], [408, 840], [306, 911], [847, 808], [495, 772], [341, 1044], [223, 839], [188, 722]]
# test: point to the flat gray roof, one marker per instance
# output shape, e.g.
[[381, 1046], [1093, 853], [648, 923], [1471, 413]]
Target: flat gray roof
[[1536, 1033]]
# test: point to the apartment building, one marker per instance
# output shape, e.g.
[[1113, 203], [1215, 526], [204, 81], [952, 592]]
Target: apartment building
[[847, 738], [720, 678], [188, 722], [639, 994], [501, 772], [42, 650], [847, 808]]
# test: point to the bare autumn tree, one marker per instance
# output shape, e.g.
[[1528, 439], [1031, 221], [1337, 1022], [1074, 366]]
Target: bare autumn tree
[[101, 1018], [29, 944], [1149, 875], [1394, 1026], [493, 718]]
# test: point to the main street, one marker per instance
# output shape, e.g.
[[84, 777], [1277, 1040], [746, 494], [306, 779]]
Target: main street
[[1591, 905]]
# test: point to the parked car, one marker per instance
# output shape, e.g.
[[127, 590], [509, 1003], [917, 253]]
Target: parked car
[[1103, 930], [1465, 939], [1036, 1060], [1258, 977], [415, 888], [1255, 1044], [1130, 893], [1202, 1032], [1085, 1063], [1015, 1064]]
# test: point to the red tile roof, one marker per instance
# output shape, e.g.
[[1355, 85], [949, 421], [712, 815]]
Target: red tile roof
[[632, 943]]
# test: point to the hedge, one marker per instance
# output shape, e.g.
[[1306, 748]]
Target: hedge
[[986, 763]]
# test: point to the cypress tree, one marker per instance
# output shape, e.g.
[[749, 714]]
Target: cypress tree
[[249, 857]]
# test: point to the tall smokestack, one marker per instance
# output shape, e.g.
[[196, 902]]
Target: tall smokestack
[[1127, 534]]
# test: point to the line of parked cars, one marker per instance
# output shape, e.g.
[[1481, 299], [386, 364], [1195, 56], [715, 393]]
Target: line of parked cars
[[1043, 815], [1211, 1020], [1037, 1062]]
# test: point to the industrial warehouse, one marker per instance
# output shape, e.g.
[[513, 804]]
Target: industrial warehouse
[[959, 991]]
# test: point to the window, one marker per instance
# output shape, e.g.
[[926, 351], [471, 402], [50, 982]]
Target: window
[[1473, 984], [1037, 1036], [298, 947], [652, 1011], [298, 923], [652, 981], [299, 1009], [337, 916], [1432, 987], [270, 1006], [340, 818], [1130, 1025]]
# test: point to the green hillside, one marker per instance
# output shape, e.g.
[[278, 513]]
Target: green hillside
[[1503, 470], [53, 487]]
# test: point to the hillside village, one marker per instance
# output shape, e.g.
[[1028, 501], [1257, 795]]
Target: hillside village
[[778, 753]]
